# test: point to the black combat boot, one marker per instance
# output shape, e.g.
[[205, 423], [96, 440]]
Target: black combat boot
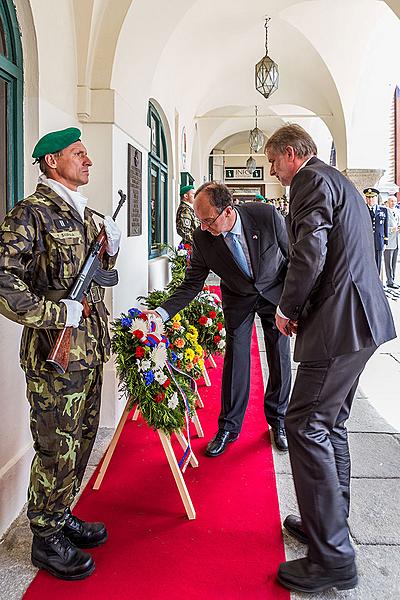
[[84, 534], [57, 555]]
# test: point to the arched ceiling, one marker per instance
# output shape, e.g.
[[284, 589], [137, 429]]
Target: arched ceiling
[[205, 51]]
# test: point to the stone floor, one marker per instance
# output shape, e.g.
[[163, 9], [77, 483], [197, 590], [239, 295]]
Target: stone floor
[[374, 428]]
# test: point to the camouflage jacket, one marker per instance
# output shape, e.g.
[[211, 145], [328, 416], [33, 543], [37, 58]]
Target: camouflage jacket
[[186, 222], [43, 245]]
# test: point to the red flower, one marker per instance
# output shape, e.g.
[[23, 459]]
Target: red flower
[[159, 397], [143, 317], [166, 383], [187, 246], [203, 320], [138, 334], [178, 364], [217, 338], [212, 314], [139, 352], [219, 326]]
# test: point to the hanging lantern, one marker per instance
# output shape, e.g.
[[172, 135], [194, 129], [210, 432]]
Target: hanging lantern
[[267, 75], [257, 138], [251, 165]]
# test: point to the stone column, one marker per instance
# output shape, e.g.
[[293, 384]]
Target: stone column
[[363, 178]]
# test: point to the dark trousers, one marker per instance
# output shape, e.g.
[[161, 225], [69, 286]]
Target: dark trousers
[[378, 259], [236, 372], [390, 257], [319, 453], [64, 420]]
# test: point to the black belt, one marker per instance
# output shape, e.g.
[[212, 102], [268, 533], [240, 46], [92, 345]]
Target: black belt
[[93, 296]]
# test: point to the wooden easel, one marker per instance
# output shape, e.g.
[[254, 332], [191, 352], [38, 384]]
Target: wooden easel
[[169, 452]]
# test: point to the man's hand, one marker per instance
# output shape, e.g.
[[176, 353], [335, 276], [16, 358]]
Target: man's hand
[[286, 326], [74, 312], [113, 233]]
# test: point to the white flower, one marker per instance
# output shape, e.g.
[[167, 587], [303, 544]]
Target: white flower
[[209, 322], [222, 332], [139, 324], [221, 344], [158, 356], [181, 252], [160, 377], [173, 401], [144, 365]]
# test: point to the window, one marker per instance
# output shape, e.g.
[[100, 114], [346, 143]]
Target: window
[[158, 185], [11, 98]]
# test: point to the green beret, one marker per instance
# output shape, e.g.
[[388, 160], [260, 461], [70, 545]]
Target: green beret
[[260, 197], [56, 141], [185, 189], [371, 192]]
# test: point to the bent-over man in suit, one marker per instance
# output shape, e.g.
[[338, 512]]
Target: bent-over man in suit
[[247, 247], [334, 298]]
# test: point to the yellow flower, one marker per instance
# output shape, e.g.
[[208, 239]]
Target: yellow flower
[[177, 317], [189, 354], [193, 331], [201, 363], [199, 350]]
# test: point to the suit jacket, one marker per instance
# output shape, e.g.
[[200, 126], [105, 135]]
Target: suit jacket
[[332, 287], [380, 225], [266, 238]]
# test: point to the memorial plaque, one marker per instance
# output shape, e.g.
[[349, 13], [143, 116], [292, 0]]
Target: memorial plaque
[[134, 191]]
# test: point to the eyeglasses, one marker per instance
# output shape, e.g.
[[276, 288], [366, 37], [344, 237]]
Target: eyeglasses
[[208, 222]]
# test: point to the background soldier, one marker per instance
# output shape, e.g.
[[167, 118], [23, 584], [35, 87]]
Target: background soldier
[[44, 242], [380, 223], [186, 221]]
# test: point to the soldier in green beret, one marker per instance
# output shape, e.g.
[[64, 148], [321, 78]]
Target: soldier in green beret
[[186, 221], [44, 241]]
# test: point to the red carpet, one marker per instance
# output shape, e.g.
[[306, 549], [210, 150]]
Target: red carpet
[[230, 552]]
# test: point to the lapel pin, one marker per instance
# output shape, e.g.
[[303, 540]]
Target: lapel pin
[[254, 237]]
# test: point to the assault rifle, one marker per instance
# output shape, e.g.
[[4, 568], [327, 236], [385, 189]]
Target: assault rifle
[[91, 271]]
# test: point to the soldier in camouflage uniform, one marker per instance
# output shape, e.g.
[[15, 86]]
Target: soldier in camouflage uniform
[[44, 241], [186, 221]]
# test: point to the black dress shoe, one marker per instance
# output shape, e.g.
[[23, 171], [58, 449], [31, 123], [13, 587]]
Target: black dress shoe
[[293, 525], [84, 534], [280, 438], [303, 575], [58, 555], [394, 286], [219, 443]]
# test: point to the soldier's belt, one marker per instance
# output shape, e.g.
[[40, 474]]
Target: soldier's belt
[[94, 296]]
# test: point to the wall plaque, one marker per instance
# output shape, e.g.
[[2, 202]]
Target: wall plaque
[[134, 191]]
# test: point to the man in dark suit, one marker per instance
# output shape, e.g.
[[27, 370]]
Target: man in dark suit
[[247, 247], [334, 299], [380, 223]]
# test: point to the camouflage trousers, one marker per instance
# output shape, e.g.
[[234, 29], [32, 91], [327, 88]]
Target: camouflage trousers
[[64, 421]]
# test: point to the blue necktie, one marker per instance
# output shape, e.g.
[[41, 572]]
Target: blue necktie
[[238, 253]]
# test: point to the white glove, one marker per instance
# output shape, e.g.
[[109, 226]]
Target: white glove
[[74, 312], [113, 233]]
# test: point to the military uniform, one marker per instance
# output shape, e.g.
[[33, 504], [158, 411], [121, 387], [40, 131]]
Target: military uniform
[[380, 226], [44, 243], [186, 221]]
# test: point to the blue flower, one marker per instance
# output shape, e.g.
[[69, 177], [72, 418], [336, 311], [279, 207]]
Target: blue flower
[[134, 312], [126, 322], [149, 377], [174, 356], [181, 246]]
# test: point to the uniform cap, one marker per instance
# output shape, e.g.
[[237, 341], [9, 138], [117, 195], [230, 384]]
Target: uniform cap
[[185, 189], [56, 141], [370, 192], [260, 197]]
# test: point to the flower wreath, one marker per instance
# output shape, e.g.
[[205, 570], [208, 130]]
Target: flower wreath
[[145, 367]]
